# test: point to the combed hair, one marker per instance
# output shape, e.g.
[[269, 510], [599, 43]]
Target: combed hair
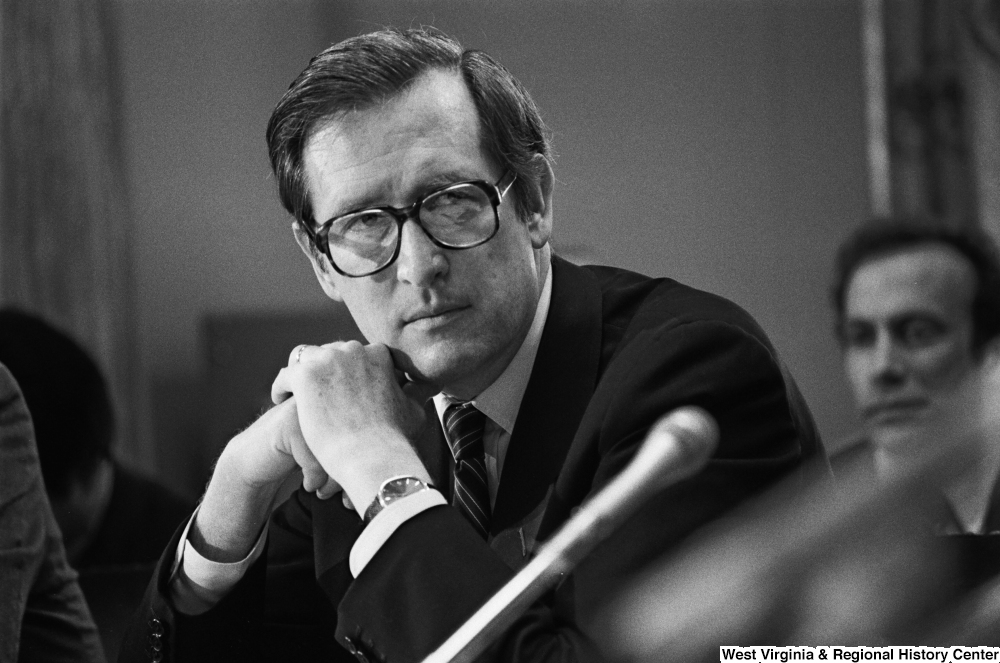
[[366, 71], [884, 236]]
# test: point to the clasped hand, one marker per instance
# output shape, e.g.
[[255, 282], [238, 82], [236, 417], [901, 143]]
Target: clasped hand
[[355, 420]]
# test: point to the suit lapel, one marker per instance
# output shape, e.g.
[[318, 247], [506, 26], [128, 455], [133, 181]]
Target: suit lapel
[[562, 381]]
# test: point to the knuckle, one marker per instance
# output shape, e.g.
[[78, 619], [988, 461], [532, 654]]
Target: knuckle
[[380, 351], [352, 348]]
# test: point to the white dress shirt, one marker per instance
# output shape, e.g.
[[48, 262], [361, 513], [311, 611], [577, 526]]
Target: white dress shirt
[[197, 583]]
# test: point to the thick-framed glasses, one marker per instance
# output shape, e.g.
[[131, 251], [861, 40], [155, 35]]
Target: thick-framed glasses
[[458, 216]]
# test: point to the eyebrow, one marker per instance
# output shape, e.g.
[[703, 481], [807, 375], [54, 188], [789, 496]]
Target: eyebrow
[[439, 180]]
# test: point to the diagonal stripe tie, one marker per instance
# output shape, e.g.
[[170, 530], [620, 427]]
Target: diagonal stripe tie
[[464, 426]]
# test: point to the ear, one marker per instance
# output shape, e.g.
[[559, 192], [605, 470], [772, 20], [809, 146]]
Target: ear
[[539, 202], [320, 264]]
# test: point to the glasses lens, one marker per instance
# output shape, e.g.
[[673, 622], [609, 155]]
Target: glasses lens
[[363, 242], [459, 216]]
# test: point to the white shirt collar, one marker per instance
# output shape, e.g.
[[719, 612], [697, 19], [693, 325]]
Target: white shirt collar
[[501, 400], [970, 496]]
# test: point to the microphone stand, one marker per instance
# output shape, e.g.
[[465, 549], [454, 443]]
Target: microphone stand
[[677, 446]]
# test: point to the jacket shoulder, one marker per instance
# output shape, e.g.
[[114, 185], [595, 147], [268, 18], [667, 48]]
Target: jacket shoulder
[[632, 302]]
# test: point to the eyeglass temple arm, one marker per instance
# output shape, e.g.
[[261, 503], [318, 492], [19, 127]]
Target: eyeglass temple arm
[[505, 182]]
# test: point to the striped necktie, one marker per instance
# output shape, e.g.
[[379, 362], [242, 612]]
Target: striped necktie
[[464, 426]]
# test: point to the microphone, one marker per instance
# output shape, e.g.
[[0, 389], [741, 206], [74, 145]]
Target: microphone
[[678, 445]]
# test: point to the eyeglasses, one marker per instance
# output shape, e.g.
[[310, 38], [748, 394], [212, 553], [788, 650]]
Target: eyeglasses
[[458, 216]]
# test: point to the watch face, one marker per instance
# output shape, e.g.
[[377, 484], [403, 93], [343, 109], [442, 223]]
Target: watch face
[[397, 488]]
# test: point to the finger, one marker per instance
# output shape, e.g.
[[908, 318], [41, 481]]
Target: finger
[[402, 377], [281, 388], [420, 392], [312, 480], [401, 361], [328, 490], [314, 477]]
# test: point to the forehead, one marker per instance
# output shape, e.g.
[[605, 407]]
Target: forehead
[[429, 131], [933, 279]]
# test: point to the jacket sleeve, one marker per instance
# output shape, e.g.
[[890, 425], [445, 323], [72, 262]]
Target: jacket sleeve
[[276, 612], [434, 571], [43, 615]]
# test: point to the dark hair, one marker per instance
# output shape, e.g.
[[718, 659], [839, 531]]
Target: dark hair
[[368, 70], [884, 236], [66, 395]]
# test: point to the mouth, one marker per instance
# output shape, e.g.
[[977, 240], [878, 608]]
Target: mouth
[[895, 411], [435, 315]]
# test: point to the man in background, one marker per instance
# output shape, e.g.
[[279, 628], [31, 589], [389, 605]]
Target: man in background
[[109, 515], [43, 615], [918, 318], [114, 521]]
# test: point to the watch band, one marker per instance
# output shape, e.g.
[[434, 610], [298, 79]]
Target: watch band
[[392, 490]]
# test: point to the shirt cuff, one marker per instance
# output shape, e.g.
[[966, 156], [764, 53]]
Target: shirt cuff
[[386, 522], [198, 583]]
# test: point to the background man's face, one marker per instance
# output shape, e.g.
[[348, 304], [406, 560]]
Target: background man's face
[[457, 317], [908, 342]]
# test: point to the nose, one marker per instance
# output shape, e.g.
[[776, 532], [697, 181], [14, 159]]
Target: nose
[[889, 363], [420, 260]]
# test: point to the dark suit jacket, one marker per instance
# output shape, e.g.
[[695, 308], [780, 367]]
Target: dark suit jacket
[[972, 559], [141, 517], [43, 616], [618, 351], [114, 569]]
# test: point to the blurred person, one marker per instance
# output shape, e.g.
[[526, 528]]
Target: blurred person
[[43, 615], [918, 318], [109, 515], [114, 521], [502, 386], [903, 548], [847, 563]]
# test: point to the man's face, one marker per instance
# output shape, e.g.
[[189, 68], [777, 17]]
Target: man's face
[[457, 317], [908, 343]]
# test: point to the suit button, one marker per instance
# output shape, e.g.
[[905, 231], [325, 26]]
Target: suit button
[[157, 657], [156, 626], [155, 643], [351, 647]]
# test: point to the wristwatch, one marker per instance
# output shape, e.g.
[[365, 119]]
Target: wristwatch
[[393, 490]]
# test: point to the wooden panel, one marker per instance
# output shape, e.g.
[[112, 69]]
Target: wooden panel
[[65, 221]]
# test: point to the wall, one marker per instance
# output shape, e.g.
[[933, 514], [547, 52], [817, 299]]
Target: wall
[[717, 142]]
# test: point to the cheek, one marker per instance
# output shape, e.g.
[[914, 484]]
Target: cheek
[[942, 367], [369, 312], [857, 367]]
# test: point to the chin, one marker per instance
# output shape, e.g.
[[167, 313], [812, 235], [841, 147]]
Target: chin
[[905, 437], [443, 366]]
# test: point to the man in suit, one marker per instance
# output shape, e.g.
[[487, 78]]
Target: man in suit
[[43, 615], [918, 319], [419, 177], [918, 310]]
